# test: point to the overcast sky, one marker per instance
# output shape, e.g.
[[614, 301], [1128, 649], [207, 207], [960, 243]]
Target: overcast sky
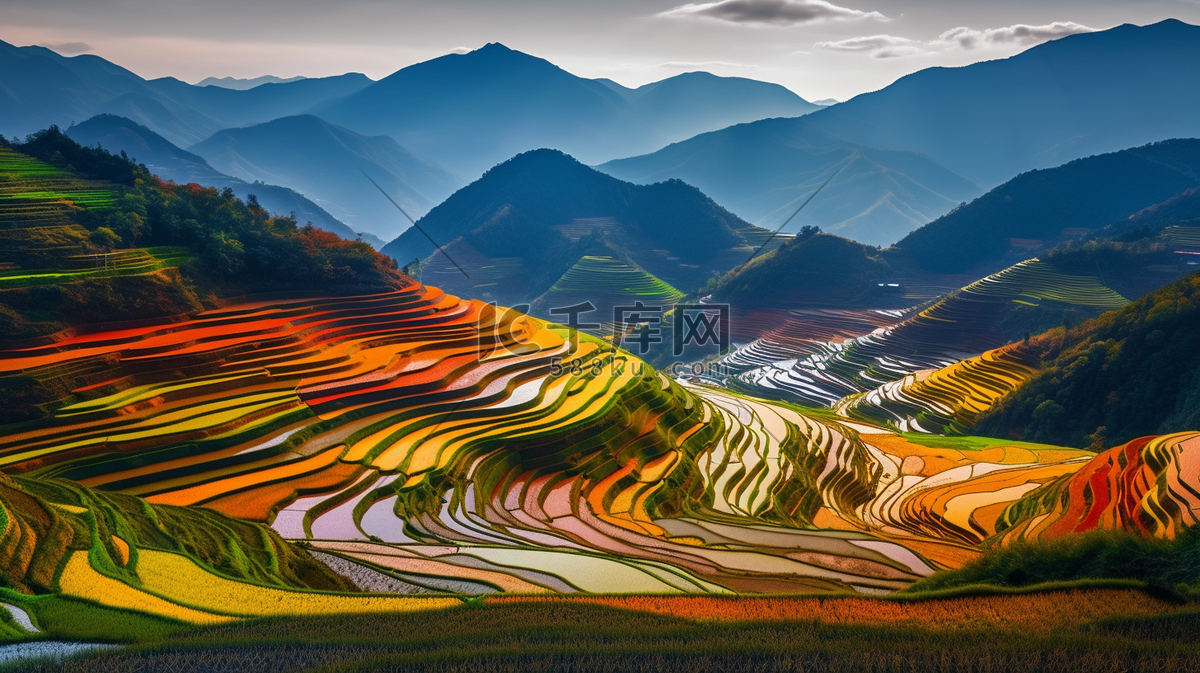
[[817, 48]]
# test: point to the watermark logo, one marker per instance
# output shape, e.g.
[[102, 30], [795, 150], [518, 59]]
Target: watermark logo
[[504, 329], [700, 324], [637, 326]]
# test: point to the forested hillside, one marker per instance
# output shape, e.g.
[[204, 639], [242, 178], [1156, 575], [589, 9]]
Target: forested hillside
[[89, 237], [1126, 374]]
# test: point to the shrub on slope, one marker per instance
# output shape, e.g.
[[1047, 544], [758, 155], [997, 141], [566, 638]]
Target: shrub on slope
[[1090, 556]]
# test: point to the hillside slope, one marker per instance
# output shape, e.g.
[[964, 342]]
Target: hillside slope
[[1038, 209], [1126, 374], [1090, 199], [90, 237]]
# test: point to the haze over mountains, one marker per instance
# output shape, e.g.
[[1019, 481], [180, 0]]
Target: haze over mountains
[[765, 170], [1069, 98], [241, 84], [1025, 217], [471, 111], [907, 153], [326, 163], [39, 87], [118, 134]]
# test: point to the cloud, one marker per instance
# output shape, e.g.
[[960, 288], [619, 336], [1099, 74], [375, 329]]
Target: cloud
[[1020, 34], [891, 46], [880, 46], [69, 48], [770, 12]]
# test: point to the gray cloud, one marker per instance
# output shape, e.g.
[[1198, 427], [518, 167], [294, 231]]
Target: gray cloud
[[1020, 33], [771, 12], [891, 46], [69, 48], [879, 46]]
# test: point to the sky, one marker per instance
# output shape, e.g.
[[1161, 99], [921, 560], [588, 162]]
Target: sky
[[818, 48]]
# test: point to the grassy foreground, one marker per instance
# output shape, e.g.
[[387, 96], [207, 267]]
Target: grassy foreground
[[1059, 630]]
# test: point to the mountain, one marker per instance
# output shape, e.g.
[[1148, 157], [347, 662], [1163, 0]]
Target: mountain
[[1124, 375], [818, 271], [471, 111], [326, 164], [764, 170], [685, 105], [1041, 208], [1069, 98], [169, 162], [526, 222], [1073, 97], [39, 87], [241, 84], [1025, 217]]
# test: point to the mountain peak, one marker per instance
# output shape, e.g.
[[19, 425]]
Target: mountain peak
[[493, 47]]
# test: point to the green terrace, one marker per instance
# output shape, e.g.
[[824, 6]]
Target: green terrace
[[25, 181], [130, 262]]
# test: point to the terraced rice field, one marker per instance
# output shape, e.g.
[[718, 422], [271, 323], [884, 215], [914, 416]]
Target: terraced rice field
[[28, 187], [1147, 485], [117, 263], [961, 325], [798, 334], [40, 241], [944, 401], [605, 282], [429, 445]]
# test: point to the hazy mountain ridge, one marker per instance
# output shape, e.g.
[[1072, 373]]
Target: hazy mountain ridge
[[766, 169], [243, 83], [1025, 217], [986, 122], [170, 162], [325, 162], [471, 111], [39, 87]]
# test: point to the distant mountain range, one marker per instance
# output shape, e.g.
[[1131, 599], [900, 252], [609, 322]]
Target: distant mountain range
[[326, 163], [39, 87], [517, 230], [764, 171], [118, 134], [241, 84], [466, 112], [1023, 218], [471, 111], [1070, 98], [908, 153]]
